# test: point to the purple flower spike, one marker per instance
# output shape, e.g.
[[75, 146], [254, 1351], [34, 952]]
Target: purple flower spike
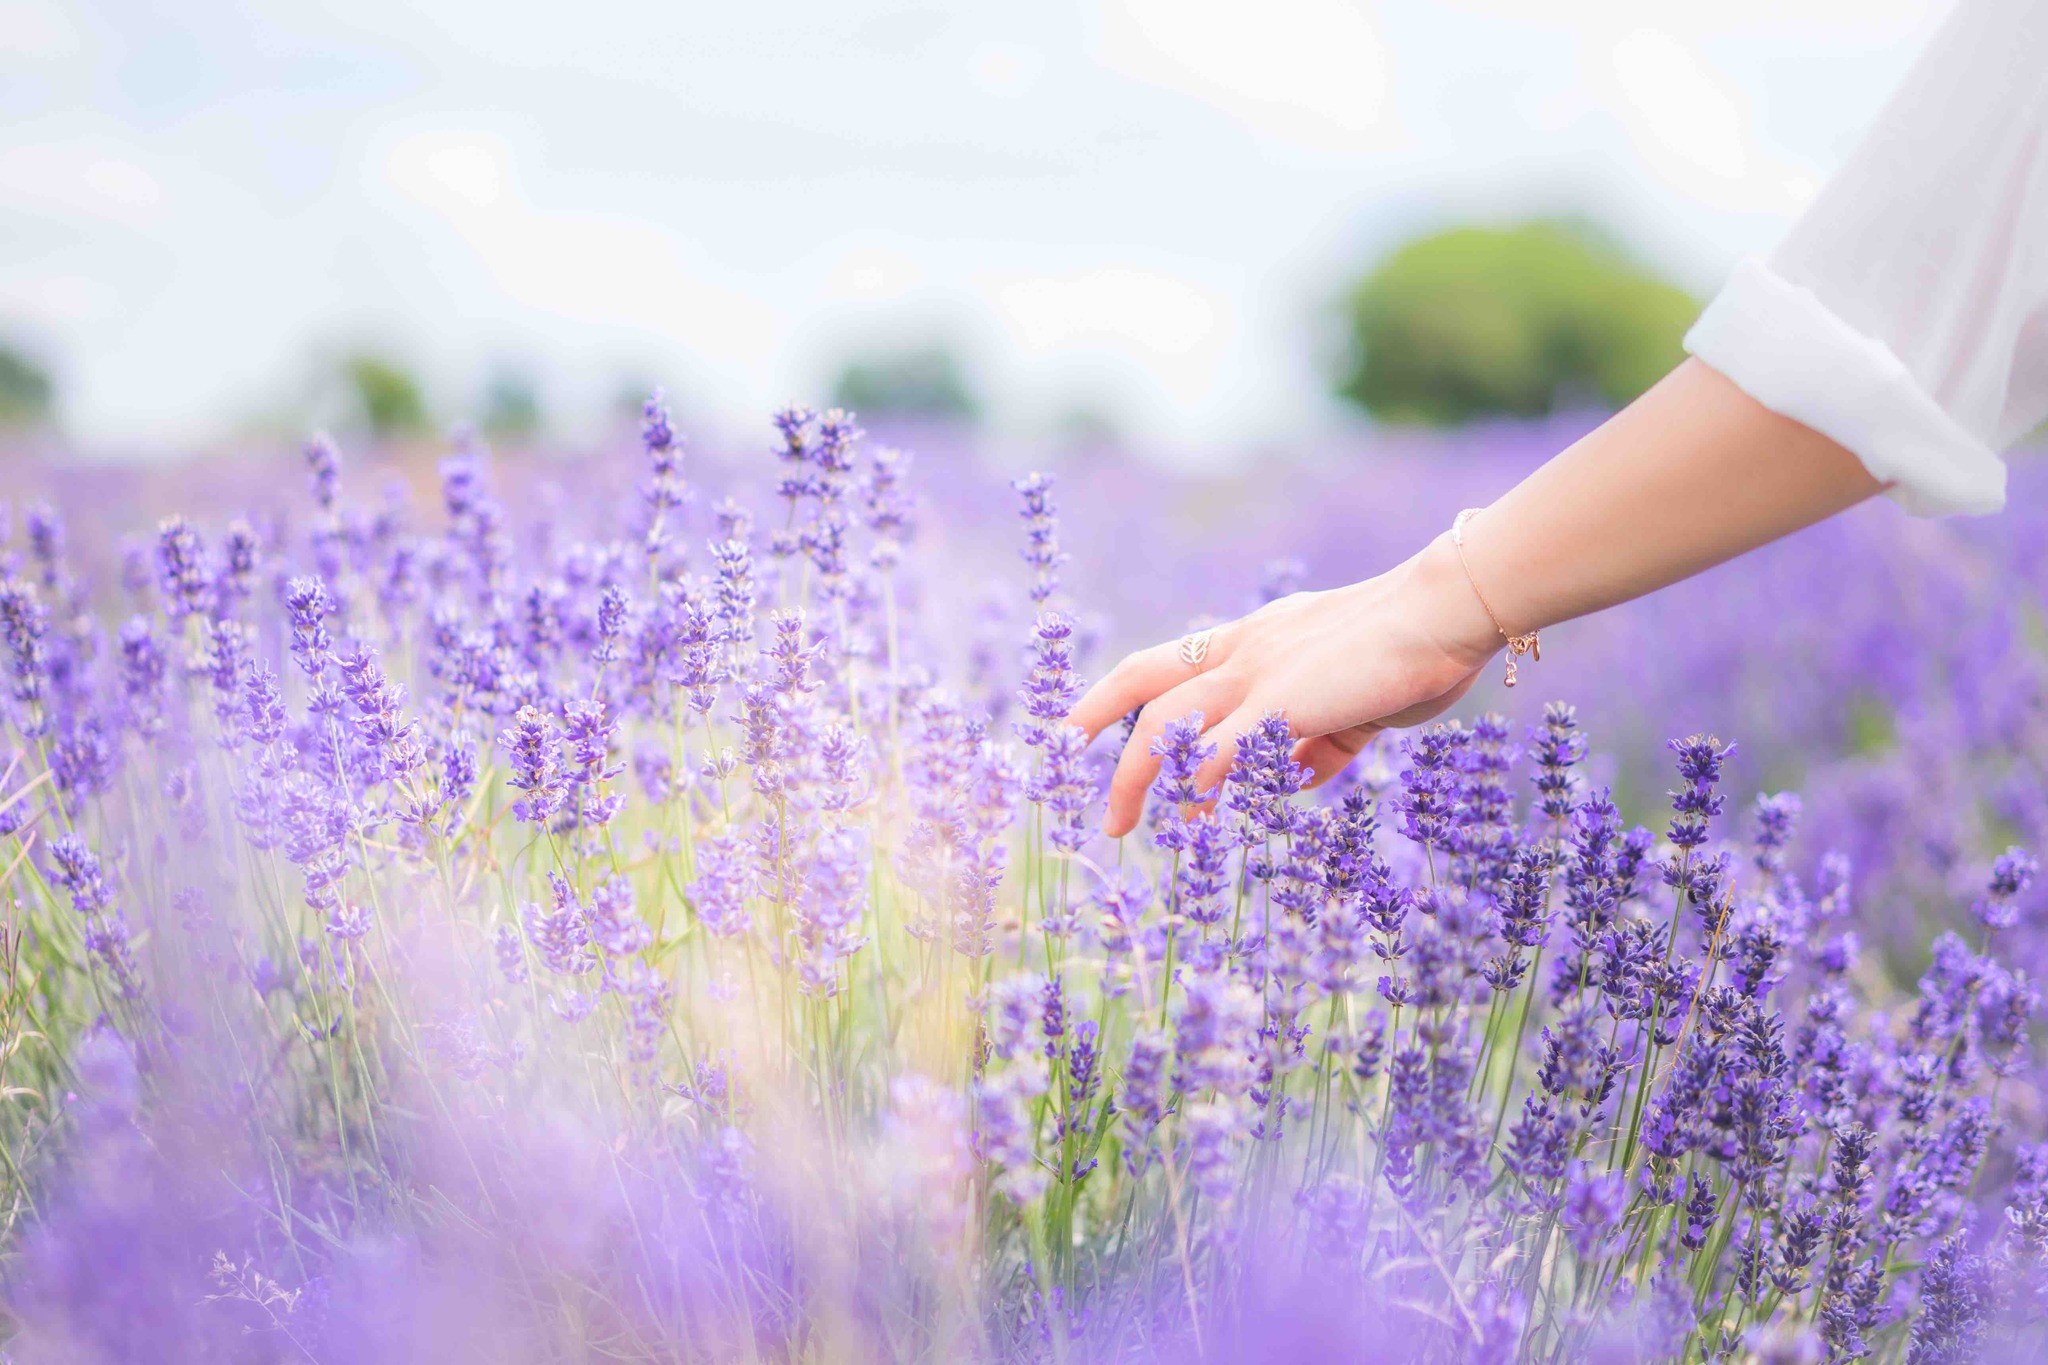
[[308, 607], [1041, 536], [615, 926], [323, 463], [1264, 780], [1558, 747], [2011, 875], [182, 573], [1051, 688], [1181, 754], [535, 747], [24, 625], [1699, 764], [1429, 784]]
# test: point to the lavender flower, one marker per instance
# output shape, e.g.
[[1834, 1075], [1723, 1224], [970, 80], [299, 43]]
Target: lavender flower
[[1429, 785], [2011, 875], [1181, 754], [1216, 1034], [1041, 536], [1558, 747], [735, 608], [24, 624], [561, 933], [724, 881], [615, 926], [1952, 1323], [820, 960], [323, 463], [77, 870], [307, 603], [182, 573], [1051, 688], [1264, 779], [1143, 1100], [1775, 817], [1214, 1132], [1005, 1137], [143, 670], [510, 951], [1592, 1209], [613, 610], [1699, 765], [535, 747]]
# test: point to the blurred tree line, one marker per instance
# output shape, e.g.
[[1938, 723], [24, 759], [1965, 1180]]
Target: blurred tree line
[[1476, 322], [26, 392], [1462, 324], [379, 393], [924, 381]]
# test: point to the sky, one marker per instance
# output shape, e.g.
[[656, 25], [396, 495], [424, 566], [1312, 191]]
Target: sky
[[1142, 209]]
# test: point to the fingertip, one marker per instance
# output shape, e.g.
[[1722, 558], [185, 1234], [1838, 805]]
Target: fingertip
[[1305, 753]]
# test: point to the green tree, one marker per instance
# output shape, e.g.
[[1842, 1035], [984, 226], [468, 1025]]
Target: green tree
[[25, 389], [386, 395], [1475, 322], [511, 404], [928, 382]]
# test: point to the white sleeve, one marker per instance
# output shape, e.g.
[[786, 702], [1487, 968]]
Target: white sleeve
[[1905, 315]]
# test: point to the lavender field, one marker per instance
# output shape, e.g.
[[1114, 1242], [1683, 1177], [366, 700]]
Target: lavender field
[[641, 903]]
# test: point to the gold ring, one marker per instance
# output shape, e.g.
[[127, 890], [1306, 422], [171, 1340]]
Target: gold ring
[[1194, 648]]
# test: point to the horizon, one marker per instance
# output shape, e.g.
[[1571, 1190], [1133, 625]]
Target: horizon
[[732, 205]]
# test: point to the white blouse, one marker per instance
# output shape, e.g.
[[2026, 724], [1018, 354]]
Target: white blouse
[[1905, 315]]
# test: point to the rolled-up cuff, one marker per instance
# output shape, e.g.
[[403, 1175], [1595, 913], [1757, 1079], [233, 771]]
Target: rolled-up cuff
[[1783, 347]]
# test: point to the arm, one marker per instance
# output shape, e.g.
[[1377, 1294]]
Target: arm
[[1905, 319], [1692, 473]]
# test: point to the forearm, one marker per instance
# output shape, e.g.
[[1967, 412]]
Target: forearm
[[1692, 473]]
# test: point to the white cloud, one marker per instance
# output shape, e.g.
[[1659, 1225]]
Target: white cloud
[[872, 274], [1124, 309], [473, 172], [1312, 72], [124, 183], [90, 177], [1005, 70], [625, 275], [36, 29], [1680, 104], [1168, 348], [1693, 127], [1738, 18], [64, 299], [1111, 241]]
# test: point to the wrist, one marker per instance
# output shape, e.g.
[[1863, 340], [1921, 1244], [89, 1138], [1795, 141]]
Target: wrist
[[1447, 608]]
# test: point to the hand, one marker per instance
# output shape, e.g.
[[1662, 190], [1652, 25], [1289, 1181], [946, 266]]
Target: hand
[[1341, 665]]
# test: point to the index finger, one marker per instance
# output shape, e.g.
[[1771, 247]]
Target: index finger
[[1136, 679]]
